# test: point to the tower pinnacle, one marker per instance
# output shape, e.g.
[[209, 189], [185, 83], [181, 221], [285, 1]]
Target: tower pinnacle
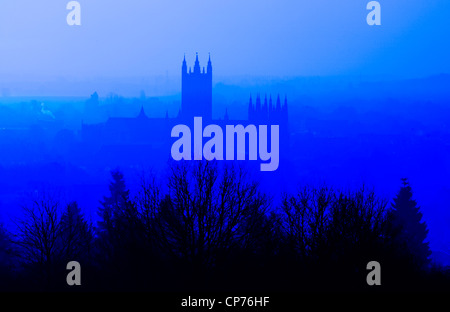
[[197, 64], [184, 66], [209, 68]]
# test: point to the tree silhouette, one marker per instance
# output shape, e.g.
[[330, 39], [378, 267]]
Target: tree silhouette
[[306, 219], [6, 260], [38, 231], [206, 211], [76, 234], [148, 201], [358, 222], [5, 246], [120, 235], [334, 234], [210, 228], [37, 238], [115, 213], [411, 231], [114, 203]]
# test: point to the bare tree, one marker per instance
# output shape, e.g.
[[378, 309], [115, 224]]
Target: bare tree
[[307, 217], [295, 223], [319, 221], [37, 231], [206, 209], [358, 216], [148, 203]]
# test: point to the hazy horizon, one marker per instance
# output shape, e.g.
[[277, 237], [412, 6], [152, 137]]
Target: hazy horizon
[[246, 39], [160, 85]]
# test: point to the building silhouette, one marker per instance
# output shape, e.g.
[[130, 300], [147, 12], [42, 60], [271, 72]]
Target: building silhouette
[[119, 138], [267, 113], [196, 91]]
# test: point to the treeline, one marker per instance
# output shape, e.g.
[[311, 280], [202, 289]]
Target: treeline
[[209, 228]]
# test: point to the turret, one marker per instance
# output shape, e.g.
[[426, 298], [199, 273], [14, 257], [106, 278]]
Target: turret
[[265, 108], [209, 68], [258, 109], [258, 103], [196, 65], [284, 112], [250, 109], [270, 105], [184, 66], [285, 107], [278, 104]]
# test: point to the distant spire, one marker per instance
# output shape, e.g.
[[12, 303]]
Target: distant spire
[[226, 114], [167, 114], [278, 103], [142, 113]]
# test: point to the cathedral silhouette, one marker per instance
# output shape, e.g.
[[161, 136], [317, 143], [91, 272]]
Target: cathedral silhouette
[[196, 91], [142, 139]]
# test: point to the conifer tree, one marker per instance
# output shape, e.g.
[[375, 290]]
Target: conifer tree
[[76, 233], [113, 205], [117, 229], [411, 230]]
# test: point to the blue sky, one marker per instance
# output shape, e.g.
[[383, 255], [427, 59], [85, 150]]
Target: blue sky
[[276, 38]]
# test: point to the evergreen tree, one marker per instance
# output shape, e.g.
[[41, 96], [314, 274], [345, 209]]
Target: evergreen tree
[[411, 231], [119, 224], [113, 205], [75, 233]]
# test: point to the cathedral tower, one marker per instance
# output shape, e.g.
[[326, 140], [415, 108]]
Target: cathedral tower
[[196, 91]]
